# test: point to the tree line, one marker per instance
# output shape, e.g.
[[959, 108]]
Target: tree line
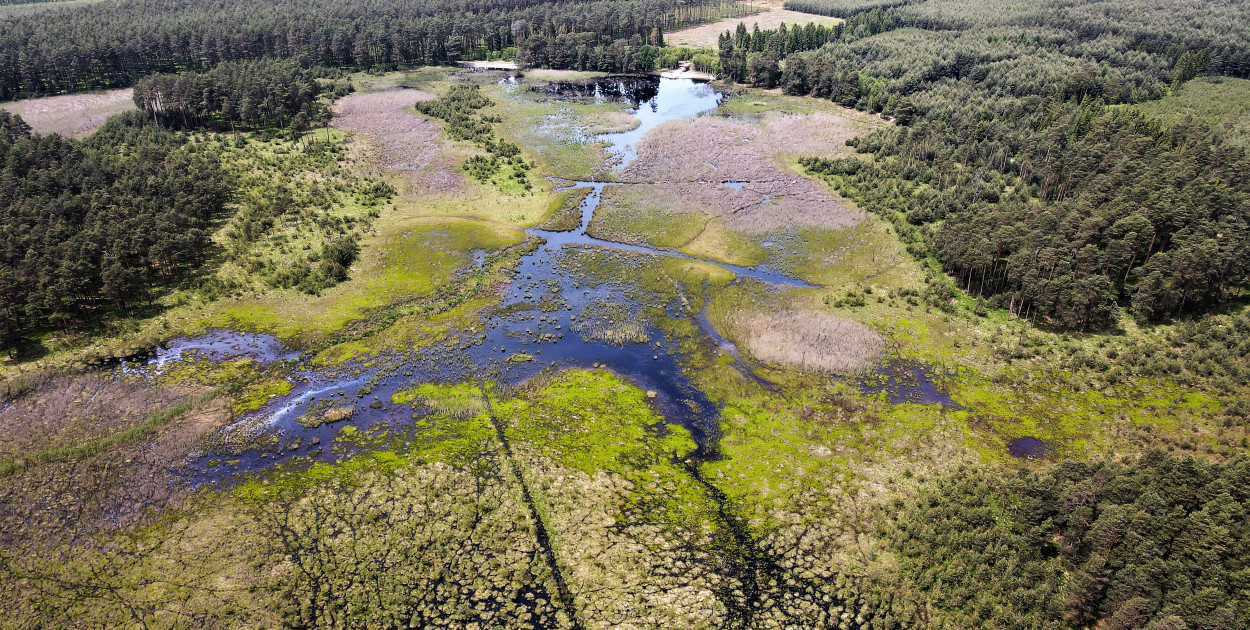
[[253, 94], [1157, 543], [1018, 160], [755, 57], [115, 45], [98, 224]]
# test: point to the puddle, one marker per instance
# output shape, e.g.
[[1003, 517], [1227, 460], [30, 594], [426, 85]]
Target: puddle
[[906, 382], [1028, 448]]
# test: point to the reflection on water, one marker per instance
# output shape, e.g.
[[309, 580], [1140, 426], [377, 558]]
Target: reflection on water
[[1027, 448], [906, 382], [655, 101], [216, 345]]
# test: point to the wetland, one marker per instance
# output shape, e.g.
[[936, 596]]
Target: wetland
[[607, 357]]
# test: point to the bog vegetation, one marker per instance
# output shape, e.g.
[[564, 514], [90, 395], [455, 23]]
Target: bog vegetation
[[1071, 181]]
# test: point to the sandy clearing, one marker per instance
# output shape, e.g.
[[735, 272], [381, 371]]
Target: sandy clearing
[[706, 34], [401, 140], [72, 115]]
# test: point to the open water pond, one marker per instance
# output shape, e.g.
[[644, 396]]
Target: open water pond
[[655, 101], [1028, 448]]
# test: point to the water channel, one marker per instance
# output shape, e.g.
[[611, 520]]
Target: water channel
[[535, 327]]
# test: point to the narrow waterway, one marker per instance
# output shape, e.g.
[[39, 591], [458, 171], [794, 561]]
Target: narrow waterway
[[549, 315]]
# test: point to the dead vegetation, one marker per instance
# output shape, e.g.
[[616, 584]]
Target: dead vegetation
[[730, 169], [611, 323], [326, 413], [75, 409], [770, 18], [810, 339], [400, 140], [608, 122], [72, 115], [106, 489], [819, 134]]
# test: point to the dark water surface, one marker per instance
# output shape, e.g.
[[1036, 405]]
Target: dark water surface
[[1028, 448], [655, 101], [534, 328]]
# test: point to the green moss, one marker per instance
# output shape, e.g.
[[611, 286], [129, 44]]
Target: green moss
[[591, 420], [458, 400], [259, 394]]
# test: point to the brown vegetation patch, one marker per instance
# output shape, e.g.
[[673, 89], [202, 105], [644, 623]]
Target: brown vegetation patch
[[609, 122], [810, 339], [694, 159], [820, 134], [72, 115], [113, 488], [400, 140], [71, 410], [706, 34]]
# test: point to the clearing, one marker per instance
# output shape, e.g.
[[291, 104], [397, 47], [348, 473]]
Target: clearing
[[771, 17], [71, 115], [1221, 101]]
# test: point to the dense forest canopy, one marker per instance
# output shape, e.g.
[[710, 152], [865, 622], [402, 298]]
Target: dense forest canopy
[[252, 94], [100, 223], [1012, 162], [1161, 543], [115, 45]]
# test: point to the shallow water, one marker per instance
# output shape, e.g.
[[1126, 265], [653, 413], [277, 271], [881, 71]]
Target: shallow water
[[1028, 448], [907, 382], [655, 101], [216, 345], [533, 328]]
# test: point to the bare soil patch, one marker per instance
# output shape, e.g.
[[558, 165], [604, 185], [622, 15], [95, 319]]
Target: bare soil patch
[[706, 34], [72, 115], [399, 139], [810, 339]]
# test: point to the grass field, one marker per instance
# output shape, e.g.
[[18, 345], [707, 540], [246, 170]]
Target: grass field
[[30, 8]]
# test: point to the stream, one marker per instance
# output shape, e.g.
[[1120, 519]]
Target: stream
[[541, 322]]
